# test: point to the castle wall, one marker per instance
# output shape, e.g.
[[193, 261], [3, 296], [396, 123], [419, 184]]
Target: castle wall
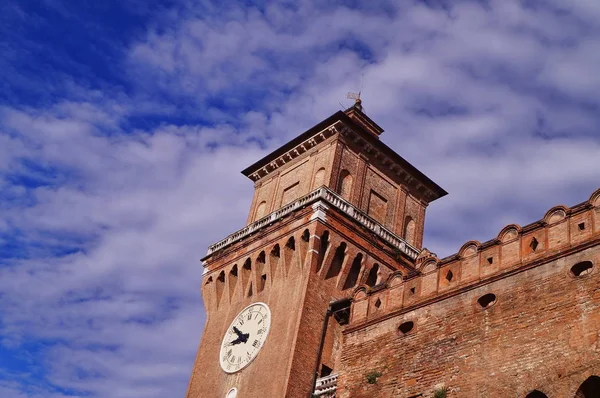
[[541, 330]]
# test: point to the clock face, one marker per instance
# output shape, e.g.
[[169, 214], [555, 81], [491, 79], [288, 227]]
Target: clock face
[[245, 337]]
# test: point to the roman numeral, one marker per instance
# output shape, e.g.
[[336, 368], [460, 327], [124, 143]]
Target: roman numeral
[[256, 344], [250, 316], [232, 358], [259, 322], [229, 353]]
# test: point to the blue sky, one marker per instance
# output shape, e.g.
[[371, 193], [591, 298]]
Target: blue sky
[[124, 125]]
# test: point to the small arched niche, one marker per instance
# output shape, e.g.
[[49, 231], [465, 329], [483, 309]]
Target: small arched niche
[[555, 215], [409, 230], [319, 178], [509, 233], [345, 184], [260, 210]]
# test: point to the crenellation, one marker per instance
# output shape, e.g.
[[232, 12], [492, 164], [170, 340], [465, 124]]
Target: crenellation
[[474, 262]]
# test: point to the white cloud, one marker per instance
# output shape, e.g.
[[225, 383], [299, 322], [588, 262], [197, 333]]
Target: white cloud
[[462, 95]]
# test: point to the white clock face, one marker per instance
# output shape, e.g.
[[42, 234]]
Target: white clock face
[[245, 337]]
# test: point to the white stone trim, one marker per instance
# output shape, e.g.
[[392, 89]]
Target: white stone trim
[[318, 198]]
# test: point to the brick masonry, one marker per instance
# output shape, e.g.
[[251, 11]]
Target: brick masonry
[[540, 332]]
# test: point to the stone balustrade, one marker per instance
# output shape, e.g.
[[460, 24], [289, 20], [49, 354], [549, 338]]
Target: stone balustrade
[[326, 387], [333, 199]]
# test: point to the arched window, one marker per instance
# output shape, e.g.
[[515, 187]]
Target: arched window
[[319, 178], [590, 388], [260, 210], [338, 261], [372, 278], [345, 184], [354, 272], [536, 394], [409, 230]]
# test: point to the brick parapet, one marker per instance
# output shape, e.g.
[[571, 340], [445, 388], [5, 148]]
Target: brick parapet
[[562, 230]]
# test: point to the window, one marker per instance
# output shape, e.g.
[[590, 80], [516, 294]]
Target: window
[[487, 300], [449, 276], [378, 303], [581, 226], [590, 388], [536, 394], [406, 327], [534, 244], [582, 268]]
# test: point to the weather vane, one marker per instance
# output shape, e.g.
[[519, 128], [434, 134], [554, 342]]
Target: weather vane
[[356, 96]]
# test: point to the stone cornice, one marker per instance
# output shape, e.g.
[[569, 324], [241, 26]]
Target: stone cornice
[[322, 194], [294, 152]]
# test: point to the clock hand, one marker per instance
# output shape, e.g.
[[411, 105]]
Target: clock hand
[[237, 331], [236, 341]]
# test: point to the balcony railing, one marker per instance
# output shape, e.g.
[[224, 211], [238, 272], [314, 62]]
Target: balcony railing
[[327, 195], [326, 386]]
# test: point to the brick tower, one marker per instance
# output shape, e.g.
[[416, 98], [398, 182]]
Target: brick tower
[[333, 209]]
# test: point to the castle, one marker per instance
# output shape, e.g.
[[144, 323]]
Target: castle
[[328, 292]]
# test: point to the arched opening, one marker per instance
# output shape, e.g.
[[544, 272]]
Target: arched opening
[[487, 300], [536, 394], [372, 278], [288, 252], [322, 250], [319, 178], [338, 261], [260, 210], [233, 277], [354, 272], [582, 268], [590, 388], [345, 184], [220, 286], [409, 230], [246, 274], [260, 270], [406, 327], [274, 260]]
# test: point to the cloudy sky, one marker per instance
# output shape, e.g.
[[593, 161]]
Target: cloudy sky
[[124, 125]]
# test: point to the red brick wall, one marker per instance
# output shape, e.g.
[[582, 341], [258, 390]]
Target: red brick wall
[[541, 333], [543, 327]]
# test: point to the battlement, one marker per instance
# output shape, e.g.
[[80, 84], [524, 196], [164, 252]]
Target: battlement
[[561, 231]]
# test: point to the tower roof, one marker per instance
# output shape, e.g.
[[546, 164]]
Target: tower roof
[[369, 131]]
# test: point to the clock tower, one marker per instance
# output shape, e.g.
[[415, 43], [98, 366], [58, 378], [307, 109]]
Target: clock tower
[[333, 209]]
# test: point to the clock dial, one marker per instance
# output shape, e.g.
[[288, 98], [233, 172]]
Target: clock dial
[[245, 337]]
